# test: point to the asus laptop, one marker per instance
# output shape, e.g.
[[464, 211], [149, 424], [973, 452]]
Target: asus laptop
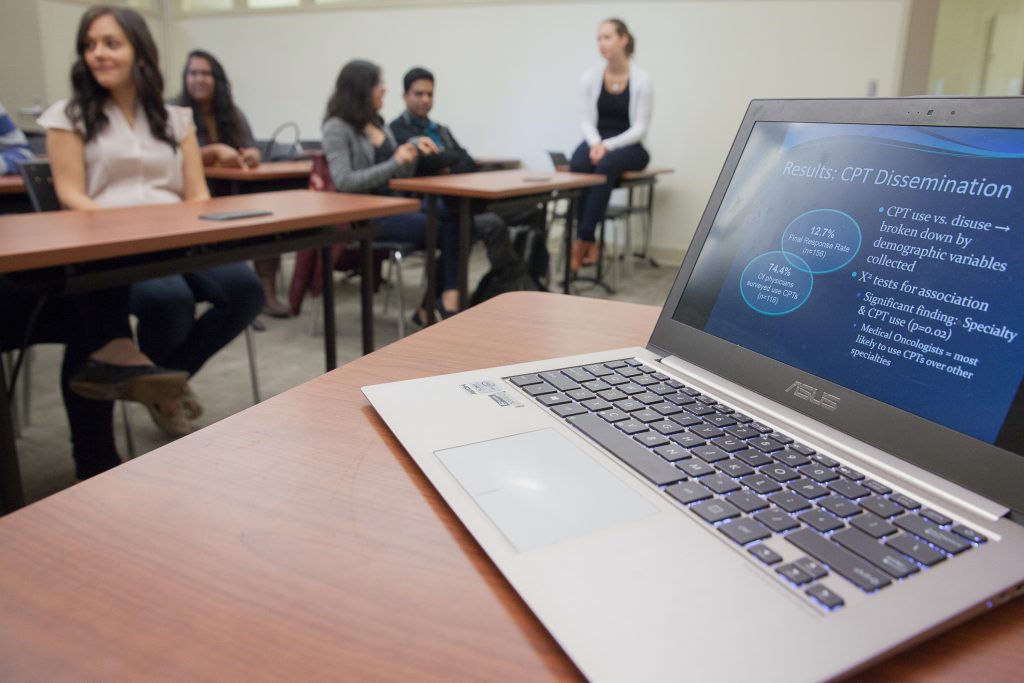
[[818, 457]]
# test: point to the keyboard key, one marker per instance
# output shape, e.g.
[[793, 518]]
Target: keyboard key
[[827, 598], [781, 438], [734, 467], [916, 548], [820, 520], [715, 510], [596, 385], [646, 463], [707, 431], [578, 374], [780, 473], [661, 389], [646, 416], [660, 376], [744, 531], [699, 409], [839, 506], [614, 415], [878, 487], [679, 399], [710, 454], [747, 501], [648, 399], [539, 389], [552, 400], [631, 389], [801, 449], [580, 394], [883, 507], [666, 427], [892, 563], [761, 427], [825, 460], [664, 408], [794, 574], [596, 405], [685, 419], [696, 468], [719, 483], [937, 536], [645, 381], [872, 525], [935, 516], [672, 453], [674, 383], [905, 501], [634, 363], [569, 410], [614, 381], [651, 439], [849, 473], [850, 489], [776, 520], [791, 458], [688, 440], [753, 458], [742, 419], [724, 409], [687, 492], [706, 400], [841, 561], [764, 553], [729, 444], [765, 445], [814, 569], [742, 431], [629, 372], [790, 502], [615, 364], [720, 420], [613, 395], [559, 380], [760, 484], [597, 370], [968, 533], [629, 405], [808, 489], [818, 473], [524, 380], [631, 427]]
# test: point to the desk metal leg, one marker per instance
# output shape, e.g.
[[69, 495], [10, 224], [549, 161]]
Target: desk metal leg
[[12, 496], [430, 262], [366, 292], [649, 226], [327, 286], [465, 242], [570, 228]]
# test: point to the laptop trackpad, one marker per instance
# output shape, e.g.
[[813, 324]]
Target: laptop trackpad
[[538, 488]]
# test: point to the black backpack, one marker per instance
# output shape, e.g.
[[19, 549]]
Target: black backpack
[[518, 264]]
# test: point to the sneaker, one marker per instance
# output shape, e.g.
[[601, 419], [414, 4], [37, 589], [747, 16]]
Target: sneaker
[[190, 403]]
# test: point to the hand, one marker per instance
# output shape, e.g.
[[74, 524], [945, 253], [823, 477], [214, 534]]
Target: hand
[[426, 146], [250, 156], [597, 152], [406, 153], [226, 156]]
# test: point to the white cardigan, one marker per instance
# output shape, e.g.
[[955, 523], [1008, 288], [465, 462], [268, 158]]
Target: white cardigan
[[641, 102]]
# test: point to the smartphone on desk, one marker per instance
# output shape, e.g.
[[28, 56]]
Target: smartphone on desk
[[231, 215]]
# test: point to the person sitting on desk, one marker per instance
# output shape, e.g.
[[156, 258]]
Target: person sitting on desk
[[225, 139], [363, 156], [13, 144], [617, 99], [116, 143]]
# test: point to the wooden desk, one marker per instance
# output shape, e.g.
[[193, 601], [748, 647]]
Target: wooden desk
[[12, 184], [491, 187], [89, 250], [297, 541], [266, 171], [13, 197], [496, 163]]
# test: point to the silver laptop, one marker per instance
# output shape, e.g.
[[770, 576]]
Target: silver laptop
[[819, 455]]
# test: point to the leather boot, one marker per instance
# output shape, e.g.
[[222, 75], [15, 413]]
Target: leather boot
[[266, 269]]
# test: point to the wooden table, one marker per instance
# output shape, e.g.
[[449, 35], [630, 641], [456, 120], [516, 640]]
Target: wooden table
[[496, 163], [297, 541], [268, 171], [13, 197], [490, 187], [88, 250]]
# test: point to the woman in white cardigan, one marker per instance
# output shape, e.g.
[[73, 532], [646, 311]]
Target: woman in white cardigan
[[617, 98]]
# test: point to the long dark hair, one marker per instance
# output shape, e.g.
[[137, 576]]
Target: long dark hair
[[225, 115], [621, 30], [89, 97], [352, 99]]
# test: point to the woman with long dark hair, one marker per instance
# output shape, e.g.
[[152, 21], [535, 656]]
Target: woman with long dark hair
[[617, 98], [115, 143], [363, 156]]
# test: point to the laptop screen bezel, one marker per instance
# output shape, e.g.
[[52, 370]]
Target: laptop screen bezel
[[988, 470]]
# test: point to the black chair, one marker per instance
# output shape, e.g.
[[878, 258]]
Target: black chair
[[39, 185]]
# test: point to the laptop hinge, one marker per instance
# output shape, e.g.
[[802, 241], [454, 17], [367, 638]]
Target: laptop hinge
[[842, 444]]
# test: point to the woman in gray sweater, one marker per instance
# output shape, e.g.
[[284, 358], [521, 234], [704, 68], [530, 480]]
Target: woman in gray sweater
[[363, 156]]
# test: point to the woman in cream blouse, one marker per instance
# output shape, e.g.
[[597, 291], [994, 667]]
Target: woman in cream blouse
[[115, 143]]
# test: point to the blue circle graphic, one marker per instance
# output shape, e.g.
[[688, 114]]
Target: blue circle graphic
[[772, 285], [825, 240]]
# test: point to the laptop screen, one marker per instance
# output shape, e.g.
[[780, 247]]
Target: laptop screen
[[883, 258]]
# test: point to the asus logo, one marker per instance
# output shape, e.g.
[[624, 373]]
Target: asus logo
[[809, 393]]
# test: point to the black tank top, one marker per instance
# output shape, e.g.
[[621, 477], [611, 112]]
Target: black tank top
[[612, 112]]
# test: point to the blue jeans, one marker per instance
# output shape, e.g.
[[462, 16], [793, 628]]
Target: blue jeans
[[168, 330], [594, 200], [412, 227]]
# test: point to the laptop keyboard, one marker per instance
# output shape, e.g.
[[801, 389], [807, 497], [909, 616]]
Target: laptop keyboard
[[750, 481]]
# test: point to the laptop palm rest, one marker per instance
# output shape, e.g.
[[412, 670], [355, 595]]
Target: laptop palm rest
[[538, 488]]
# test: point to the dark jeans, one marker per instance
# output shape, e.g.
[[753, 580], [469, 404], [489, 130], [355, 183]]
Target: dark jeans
[[168, 330], [412, 227], [594, 200], [83, 324]]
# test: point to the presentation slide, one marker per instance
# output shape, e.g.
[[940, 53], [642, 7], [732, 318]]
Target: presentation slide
[[884, 258]]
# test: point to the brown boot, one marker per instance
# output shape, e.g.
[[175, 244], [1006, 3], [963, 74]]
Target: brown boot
[[266, 269]]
